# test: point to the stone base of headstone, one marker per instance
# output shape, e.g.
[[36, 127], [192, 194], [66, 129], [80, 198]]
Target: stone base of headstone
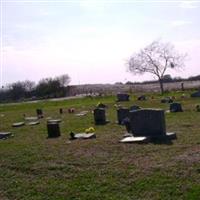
[[53, 130], [169, 136], [133, 139], [5, 135], [18, 124]]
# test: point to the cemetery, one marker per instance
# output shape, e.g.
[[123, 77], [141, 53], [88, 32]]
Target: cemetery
[[54, 152]]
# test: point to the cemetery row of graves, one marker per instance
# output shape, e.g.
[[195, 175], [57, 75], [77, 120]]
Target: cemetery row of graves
[[110, 146]]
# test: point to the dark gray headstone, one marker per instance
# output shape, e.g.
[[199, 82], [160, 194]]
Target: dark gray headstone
[[122, 113], [39, 113], [99, 116], [167, 100], [198, 108], [4, 135], [53, 130], [175, 107], [196, 94], [148, 122], [141, 98], [122, 97]]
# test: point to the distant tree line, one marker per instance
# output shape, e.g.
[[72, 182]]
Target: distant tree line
[[29, 90], [167, 79]]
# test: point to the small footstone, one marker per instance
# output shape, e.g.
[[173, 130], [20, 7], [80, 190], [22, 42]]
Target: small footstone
[[133, 139], [18, 124], [4, 135], [31, 118], [33, 123]]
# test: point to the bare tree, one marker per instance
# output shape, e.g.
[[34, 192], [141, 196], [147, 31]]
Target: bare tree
[[156, 58]]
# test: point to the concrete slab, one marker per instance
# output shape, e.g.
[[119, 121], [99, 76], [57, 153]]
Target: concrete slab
[[85, 135], [133, 139]]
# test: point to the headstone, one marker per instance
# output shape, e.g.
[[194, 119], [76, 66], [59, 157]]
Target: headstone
[[53, 130], [167, 100], [175, 107], [5, 135], [122, 113], [39, 113], [99, 116], [141, 98], [196, 94], [127, 124], [18, 124], [122, 97], [198, 108], [148, 123], [71, 110], [61, 111]]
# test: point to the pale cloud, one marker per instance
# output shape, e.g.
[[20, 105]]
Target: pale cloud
[[178, 23], [189, 4]]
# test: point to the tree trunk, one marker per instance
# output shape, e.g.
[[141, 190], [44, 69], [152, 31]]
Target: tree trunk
[[161, 86]]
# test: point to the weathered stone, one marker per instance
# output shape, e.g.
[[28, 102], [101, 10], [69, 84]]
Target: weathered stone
[[99, 116], [196, 94], [39, 113], [122, 113], [147, 122], [53, 130], [18, 124], [175, 107], [122, 97]]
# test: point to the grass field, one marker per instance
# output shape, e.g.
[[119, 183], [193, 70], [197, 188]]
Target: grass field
[[33, 167]]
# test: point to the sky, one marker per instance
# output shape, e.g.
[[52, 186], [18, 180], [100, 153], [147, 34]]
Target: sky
[[92, 40]]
